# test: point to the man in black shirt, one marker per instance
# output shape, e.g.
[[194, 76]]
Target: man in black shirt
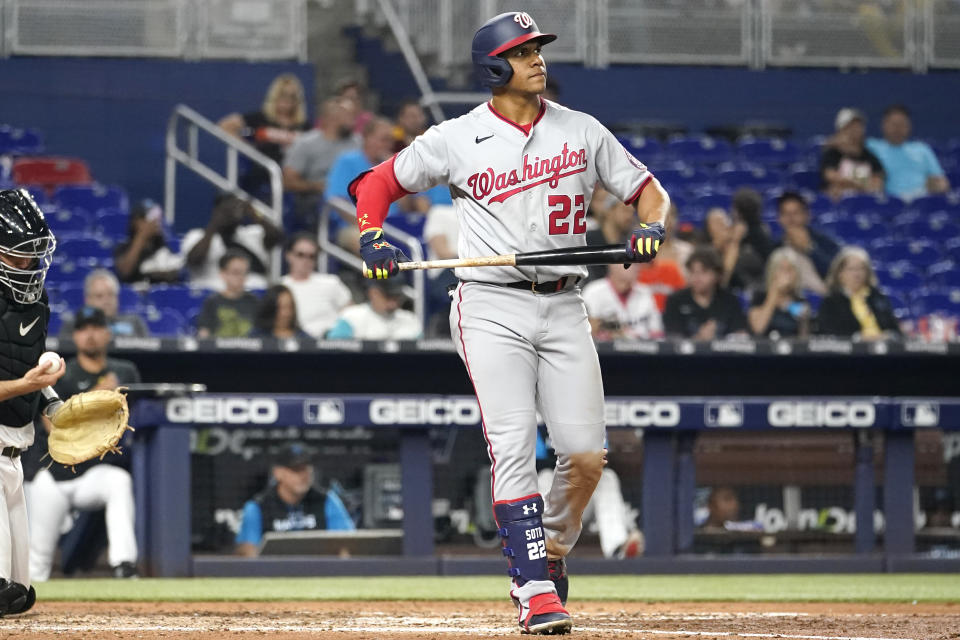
[[229, 314], [704, 311], [94, 484], [847, 166]]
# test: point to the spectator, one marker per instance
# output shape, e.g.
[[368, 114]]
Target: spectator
[[911, 167], [442, 234], [616, 222], [381, 318], [234, 224], [724, 508], [272, 129], [319, 297], [607, 512], [95, 484], [356, 94], [620, 307], [290, 502], [742, 267], [377, 146], [854, 306], [675, 249], [144, 255], [230, 313], [746, 207], [665, 275], [411, 121], [101, 290], [847, 167], [276, 315], [310, 158], [780, 311], [815, 248], [704, 310]]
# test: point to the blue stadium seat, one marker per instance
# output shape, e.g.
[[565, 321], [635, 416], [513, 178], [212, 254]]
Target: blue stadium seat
[[85, 248], [39, 195], [821, 204], [901, 308], [16, 141], [646, 150], [700, 150], [932, 203], [887, 206], [903, 277], [91, 198], [53, 326], [681, 177], [942, 301], [112, 223], [921, 253], [935, 229], [807, 179], [166, 322], [183, 299], [67, 271], [774, 152], [814, 300], [855, 229], [757, 178], [130, 299], [698, 207], [951, 249], [63, 221]]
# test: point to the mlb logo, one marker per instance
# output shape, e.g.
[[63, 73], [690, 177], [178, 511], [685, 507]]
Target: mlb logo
[[723, 414], [323, 412], [920, 414]]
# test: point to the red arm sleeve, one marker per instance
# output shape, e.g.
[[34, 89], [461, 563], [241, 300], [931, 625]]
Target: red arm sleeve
[[373, 191]]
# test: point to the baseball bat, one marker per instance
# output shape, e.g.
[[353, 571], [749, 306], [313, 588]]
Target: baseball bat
[[603, 254]]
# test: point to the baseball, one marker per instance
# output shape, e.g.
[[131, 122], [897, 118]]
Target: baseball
[[50, 361]]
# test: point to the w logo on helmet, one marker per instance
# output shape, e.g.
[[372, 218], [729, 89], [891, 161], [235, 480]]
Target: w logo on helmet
[[523, 19]]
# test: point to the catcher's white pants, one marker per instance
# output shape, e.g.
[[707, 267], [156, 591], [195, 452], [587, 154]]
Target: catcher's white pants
[[607, 509], [51, 501], [14, 541]]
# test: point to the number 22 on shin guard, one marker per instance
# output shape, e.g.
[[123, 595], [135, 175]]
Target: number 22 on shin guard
[[536, 549]]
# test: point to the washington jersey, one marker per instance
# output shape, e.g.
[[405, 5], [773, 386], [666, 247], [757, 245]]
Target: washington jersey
[[517, 191]]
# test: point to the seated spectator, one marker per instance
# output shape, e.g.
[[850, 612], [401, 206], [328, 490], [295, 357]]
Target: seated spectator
[[411, 121], [310, 158], [847, 167], [442, 235], [277, 315], [234, 224], [665, 275], [704, 310], [911, 166], [229, 313], [616, 221], [816, 249], [854, 306], [380, 318], [92, 485], [272, 129], [376, 147], [619, 307], [319, 297], [607, 511], [780, 311], [290, 502], [724, 512], [355, 93], [144, 255], [746, 207], [742, 267], [674, 248], [101, 290]]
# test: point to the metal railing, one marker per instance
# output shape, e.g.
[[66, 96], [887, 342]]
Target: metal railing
[[909, 34], [345, 210], [185, 126]]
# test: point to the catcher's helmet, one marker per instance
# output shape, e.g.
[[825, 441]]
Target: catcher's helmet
[[498, 34], [26, 245]]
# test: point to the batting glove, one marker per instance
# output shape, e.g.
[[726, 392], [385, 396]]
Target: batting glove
[[380, 258], [645, 241]]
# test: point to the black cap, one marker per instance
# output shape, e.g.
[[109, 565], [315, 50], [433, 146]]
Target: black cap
[[391, 287], [89, 316], [292, 455]]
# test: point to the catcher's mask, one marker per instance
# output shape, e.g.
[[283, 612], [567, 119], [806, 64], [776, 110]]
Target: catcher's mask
[[26, 246]]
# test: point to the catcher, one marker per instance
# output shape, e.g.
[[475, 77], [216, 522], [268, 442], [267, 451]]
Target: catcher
[[26, 249], [85, 473]]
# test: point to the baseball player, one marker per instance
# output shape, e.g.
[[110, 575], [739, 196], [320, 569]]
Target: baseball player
[[26, 249], [521, 171]]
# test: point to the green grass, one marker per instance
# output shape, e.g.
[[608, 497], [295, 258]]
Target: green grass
[[705, 588]]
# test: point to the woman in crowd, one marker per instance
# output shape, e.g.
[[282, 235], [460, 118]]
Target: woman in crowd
[[854, 306], [277, 315], [781, 310]]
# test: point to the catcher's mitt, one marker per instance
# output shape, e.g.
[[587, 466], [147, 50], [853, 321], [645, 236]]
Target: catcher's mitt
[[88, 425]]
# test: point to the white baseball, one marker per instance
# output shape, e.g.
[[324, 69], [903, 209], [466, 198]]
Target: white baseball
[[50, 362]]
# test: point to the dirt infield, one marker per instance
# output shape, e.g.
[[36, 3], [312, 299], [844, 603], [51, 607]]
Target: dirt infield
[[453, 620]]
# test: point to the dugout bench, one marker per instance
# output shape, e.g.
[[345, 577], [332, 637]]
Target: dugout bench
[[161, 472]]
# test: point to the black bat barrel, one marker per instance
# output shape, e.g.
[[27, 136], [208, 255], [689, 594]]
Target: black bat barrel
[[601, 254]]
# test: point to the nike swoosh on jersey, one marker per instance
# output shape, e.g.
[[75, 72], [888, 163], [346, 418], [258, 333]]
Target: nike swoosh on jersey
[[478, 139], [25, 330]]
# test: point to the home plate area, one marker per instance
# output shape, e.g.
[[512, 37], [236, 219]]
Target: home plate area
[[414, 620]]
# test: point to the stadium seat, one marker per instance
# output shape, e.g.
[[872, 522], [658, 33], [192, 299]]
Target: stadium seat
[[757, 178], [67, 271], [89, 248], [887, 206], [900, 276], [951, 249], [700, 150], [929, 301], [681, 177], [931, 204], [71, 295], [773, 152], [50, 172], [16, 141], [91, 198], [183, 299], [901, 308], [646, 150], [855, 229], [807, 179], [166, 322], [112, 224], [921, 253], [935, 229], [54, 324], [130, 299], [64, 221]]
